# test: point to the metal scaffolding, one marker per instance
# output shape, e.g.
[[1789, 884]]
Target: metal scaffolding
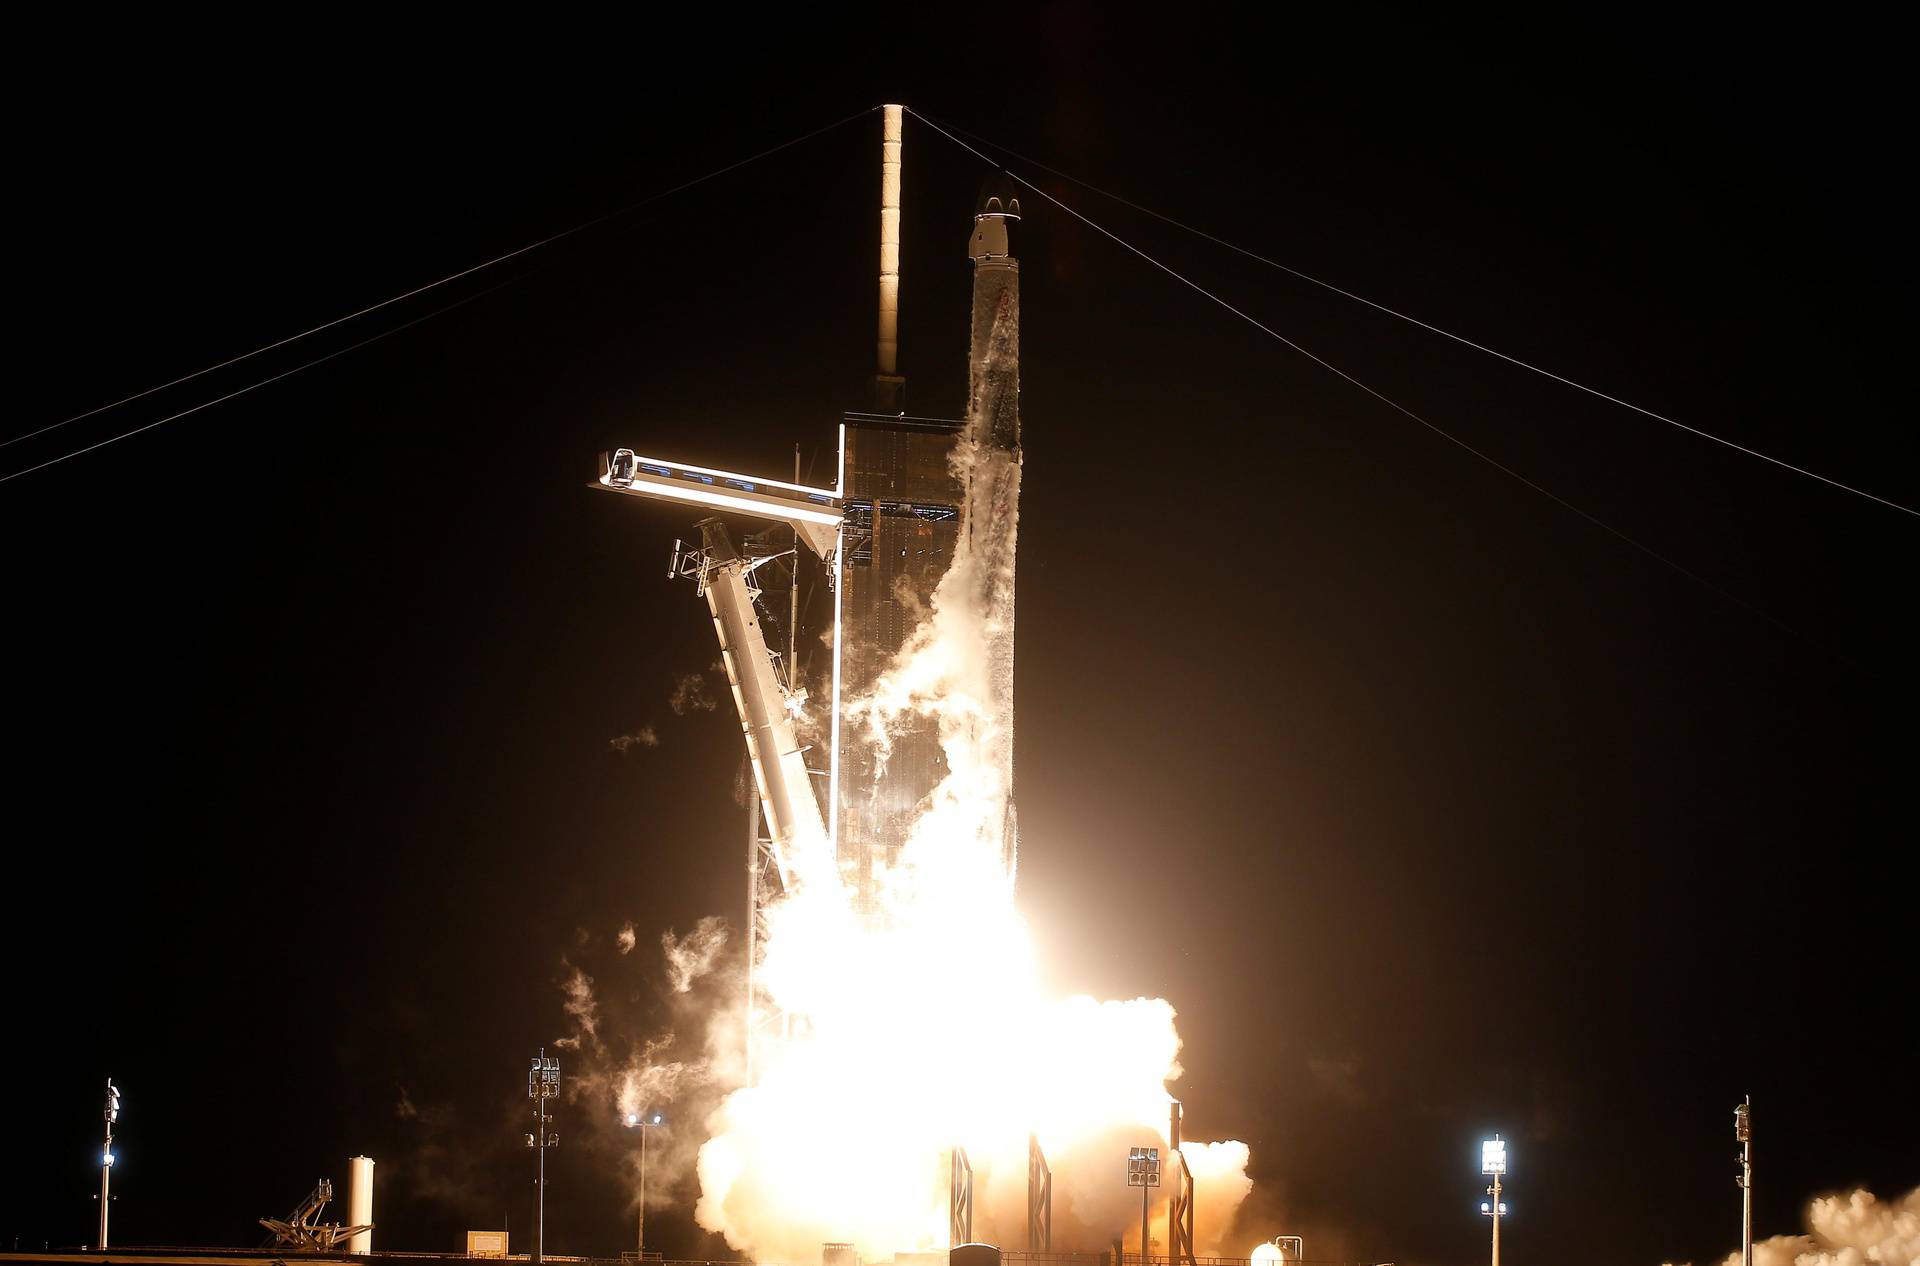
[[960, 1200], [1039, 1198]]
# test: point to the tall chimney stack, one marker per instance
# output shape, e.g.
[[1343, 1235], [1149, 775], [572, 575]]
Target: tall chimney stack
[[889, 388]]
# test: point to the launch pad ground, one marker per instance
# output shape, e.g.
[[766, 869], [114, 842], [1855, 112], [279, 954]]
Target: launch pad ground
[[164, 1256], [159, 1256]]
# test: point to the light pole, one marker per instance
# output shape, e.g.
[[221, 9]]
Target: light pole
[[643, 1122], [1143, 1171], [112, 1114], [543, 1083], [1743, 1131], [1493, 1160]]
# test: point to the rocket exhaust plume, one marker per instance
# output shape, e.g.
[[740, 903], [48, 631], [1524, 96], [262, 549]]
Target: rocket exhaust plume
[[922, 1026], [912, 1022], [925, 1027]]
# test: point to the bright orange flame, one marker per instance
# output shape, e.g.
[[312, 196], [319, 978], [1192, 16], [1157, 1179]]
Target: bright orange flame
[[926, 1028]]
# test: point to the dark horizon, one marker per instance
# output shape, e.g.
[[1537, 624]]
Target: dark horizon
[[1463, 815]]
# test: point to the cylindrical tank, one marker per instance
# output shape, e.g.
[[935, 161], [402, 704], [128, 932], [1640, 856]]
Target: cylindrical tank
[[360, 1202]]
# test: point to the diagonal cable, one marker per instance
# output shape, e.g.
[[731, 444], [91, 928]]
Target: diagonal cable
[[1330, 366], [451, 277], [319, 360], [1413, 320]]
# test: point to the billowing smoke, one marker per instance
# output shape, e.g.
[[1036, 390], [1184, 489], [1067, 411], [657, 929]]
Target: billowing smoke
[[690, 695], [923, 1027], [692, 956], [1857, 1229], [610, 1075], [581, 1007], [645, 736]]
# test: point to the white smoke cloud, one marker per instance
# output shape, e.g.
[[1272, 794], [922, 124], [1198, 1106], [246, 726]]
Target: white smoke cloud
[[581, 1008], [692, 956], [690, 695], [645, 736], [609, 1074], [924, 1026], [651, 1079], [1856, 1229]]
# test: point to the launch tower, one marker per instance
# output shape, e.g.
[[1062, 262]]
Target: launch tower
[[910, 493]]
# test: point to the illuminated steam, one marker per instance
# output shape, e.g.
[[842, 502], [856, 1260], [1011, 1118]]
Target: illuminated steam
[[924, 1026], [581, 1007], [692, 956], [645, 736], [1852, 1230], [690, 695], [610, 1073]]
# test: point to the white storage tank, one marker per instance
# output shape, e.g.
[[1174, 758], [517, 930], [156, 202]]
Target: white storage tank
[[360, 1202]]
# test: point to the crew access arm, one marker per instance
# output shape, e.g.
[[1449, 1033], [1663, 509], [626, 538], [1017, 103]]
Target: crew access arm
[[724, 575]]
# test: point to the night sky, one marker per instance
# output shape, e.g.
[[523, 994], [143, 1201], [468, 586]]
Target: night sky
[[1434, 809]]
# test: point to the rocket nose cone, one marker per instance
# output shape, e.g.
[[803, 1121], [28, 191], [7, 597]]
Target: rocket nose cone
[[999, 196], [998, 207]]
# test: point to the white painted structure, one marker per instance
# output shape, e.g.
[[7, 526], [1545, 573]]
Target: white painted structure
[[360, 1202]]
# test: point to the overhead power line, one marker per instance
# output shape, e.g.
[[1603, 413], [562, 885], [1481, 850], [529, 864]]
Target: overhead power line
[[432, 285], [318, 360], [1331, 367], [1413, 320]]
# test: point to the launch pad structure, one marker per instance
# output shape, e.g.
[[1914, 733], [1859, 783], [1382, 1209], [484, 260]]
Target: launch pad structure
[[885, 534], [910, 495]]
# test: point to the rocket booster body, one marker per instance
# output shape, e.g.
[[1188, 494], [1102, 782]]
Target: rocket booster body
[[993, 378], [989, 457]]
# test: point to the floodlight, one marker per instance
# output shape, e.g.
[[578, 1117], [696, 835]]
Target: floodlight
[[106, 1158], [1143, 1167], [1493, 1156], [633, 1118]]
